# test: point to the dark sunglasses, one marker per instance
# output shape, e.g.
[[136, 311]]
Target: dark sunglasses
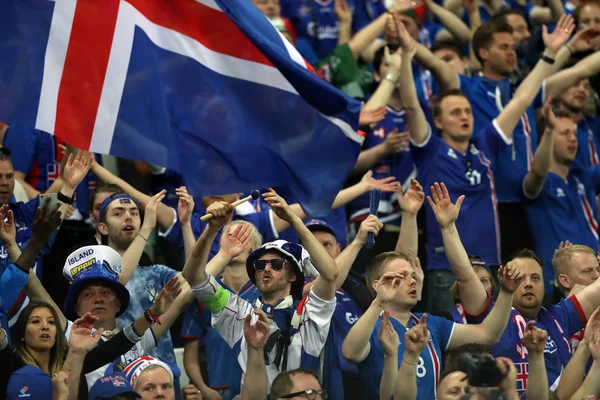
[[275, 263], [309, 393]]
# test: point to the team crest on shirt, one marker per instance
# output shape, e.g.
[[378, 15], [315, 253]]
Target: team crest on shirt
[[550, 346], [452, 154], [580, 189], [560, 192], [379, 132], [474, 150]]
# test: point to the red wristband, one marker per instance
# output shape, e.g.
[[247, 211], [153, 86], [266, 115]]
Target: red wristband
[[155, 318]]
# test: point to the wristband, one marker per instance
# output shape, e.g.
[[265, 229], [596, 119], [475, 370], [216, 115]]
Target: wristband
[[151, 318], [391, 77], [547, 59], [408, 362], [63, 198]]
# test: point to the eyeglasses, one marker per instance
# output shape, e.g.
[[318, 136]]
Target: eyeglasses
[[275, 263], [310, 394]]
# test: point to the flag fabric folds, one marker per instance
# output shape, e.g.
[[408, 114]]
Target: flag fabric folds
[[205, 87]]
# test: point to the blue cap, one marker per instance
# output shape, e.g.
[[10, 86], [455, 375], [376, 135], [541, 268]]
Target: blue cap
[[296, 256], [110, 386], [29, 383], [315, 225], [91, 264]]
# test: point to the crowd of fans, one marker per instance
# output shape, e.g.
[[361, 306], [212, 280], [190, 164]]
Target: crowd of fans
[[485, 109]]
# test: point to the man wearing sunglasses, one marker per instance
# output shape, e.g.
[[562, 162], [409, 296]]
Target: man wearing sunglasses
[[298, 325], [297, 384]]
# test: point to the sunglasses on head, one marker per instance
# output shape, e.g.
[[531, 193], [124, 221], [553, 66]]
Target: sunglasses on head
[[275, 263]]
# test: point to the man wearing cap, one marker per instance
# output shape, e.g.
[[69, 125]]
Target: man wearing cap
[[119, 224], [299, 326], [113, 387]]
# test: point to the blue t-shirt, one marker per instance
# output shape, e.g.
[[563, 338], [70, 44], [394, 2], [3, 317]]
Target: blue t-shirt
[[564, 211], [399, 165], [223, 368], [588, 143], [145, 284], [316, 24], [429, 365], [561, 321], [488, 98], [12, 286], [469, 174]]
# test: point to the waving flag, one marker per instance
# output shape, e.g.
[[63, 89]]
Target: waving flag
[[206, 87]]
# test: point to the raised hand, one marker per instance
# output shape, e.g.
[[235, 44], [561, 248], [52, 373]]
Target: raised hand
[[280, 207], [534, 338], [370, 117], [387, 286], [235, 239], [167, 296], [185, 206], [416, 338], [370, 225], [342, 12], [561, 34], [395, 142], [46, 221], [222, 213], [593, 325], [510, 277], [150, 210], [470, 6], [507, 367], [594, 345], [77, 168], [256, 335], [394, 61], [388, 337], [8, 229], [548, 115], [411, 201], [445, 212], [585, 40], [389, 184], [407, 42], [81, 339]]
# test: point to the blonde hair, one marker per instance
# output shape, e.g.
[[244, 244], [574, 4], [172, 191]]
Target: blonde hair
[[257, 239], [376, 267], [563, 257]]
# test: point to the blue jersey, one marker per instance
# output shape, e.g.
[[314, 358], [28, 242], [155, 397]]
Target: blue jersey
[[561, 321], [37, 155], [429, 365], [399, 165], [469, 174], [223, 369], [12, 286], [488, 98], [316, 24], [564, 211], [263, 221], [588, 141]]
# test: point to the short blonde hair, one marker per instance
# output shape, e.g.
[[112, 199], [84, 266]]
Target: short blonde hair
[[563, 256], [377, 266], [257, 239]]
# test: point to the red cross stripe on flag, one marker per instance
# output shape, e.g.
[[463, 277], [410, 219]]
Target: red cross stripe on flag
[[522, 373], [53, 173]]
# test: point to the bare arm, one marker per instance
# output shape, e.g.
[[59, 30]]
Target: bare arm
[[566, 78], [325, 285], [388, 337], [472, 293], [394, 142], [417, 123], [410, 203], [415, 340], [185, 209], [574, 373], [367, 35], [510, 116], [591, 384], [344, 17], [256, 383], [535, 178], [8, 233], [191, 362], [366, 184], [451, 21], [356, 346], [178, 306], [492, 327], [537, 382], [386, 87]]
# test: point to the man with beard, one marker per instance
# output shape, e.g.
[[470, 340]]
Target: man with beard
[[298, 326]]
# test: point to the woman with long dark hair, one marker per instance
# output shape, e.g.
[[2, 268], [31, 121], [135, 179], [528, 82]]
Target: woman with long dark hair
[[38, 338]]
